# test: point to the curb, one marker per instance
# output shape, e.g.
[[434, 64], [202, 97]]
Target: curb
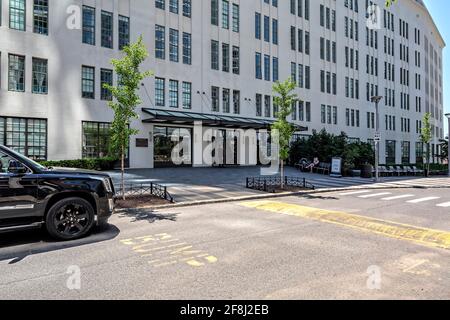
[[270, 196]]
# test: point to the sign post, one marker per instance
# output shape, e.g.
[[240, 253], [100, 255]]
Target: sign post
[[336, 168]]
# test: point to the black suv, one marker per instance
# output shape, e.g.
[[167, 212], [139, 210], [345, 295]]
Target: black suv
[[69, 202]]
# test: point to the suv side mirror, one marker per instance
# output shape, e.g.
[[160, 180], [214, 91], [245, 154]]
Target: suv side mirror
[[16, 167]]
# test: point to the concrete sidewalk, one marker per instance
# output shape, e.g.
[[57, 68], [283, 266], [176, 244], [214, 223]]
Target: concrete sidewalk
[[198, 184]]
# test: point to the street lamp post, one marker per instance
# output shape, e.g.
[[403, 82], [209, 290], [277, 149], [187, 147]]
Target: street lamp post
[[376, 100], [448, 150]]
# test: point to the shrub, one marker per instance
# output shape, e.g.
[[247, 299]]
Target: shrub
[[89, 164], [325, 146]]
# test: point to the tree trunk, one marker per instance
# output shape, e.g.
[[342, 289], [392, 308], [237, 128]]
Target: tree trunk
[[123, 172], [282, 174]]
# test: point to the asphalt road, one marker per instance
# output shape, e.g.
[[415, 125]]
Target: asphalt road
[[327, 246]]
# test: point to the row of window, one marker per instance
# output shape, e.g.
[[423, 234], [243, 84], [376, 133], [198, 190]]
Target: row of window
[[29, 136], [304, 75], [17, 15], [174, 93], [106, 28], [226, 100], [301, 8], [258, 67], [174, 6], [16, 74], [174, 40], [303, 38], [266, 28], [327, 18], [225, 14], [215, 57]]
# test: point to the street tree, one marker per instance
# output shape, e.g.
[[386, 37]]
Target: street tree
[[126, 99], [282, 129], [425, 138]]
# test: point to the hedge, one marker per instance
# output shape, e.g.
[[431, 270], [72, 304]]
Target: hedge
[[90, 164]]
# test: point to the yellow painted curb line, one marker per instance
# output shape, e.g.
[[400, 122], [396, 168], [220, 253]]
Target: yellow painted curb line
[[423, 236]]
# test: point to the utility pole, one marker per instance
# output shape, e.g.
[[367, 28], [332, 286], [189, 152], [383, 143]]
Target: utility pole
[[376, 100]]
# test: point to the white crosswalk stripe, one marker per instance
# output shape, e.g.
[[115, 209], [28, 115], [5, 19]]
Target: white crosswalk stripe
[[444, 205], [354, 192], [420, 200], [375, 195], [398, 197]]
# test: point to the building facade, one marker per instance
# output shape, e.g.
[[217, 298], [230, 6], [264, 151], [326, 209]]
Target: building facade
[[215, 61]]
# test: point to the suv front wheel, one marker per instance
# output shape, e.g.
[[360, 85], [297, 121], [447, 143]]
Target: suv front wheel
[[70, 218]]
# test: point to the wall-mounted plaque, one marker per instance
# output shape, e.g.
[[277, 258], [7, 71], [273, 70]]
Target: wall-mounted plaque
[[141, 143]]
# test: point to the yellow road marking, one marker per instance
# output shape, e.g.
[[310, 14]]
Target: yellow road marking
[[423, 236]]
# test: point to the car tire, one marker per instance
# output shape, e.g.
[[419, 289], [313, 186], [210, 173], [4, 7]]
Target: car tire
[[70, 218]]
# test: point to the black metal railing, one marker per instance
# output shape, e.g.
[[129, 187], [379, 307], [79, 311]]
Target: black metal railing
[[270, 184], [144, 189]]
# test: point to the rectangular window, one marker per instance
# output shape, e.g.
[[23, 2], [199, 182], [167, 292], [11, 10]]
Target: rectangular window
[[173, 45], [107, 29], [173, 93], [106, 77], [124, 32], [225, 14], [40, 76], [160, 4], [17, 14], [236, 60], [160, 42], [267, 103], [215, 99], [173, 6], [16, 73], [266, 67], [266, 29], [160, 92], [187, 48], [236, 101], [214, 55], [275, 31], [88, 82], [236, 18], [26, 136], [187, 8], [96, 137], [257, 25], [258, 71], [89, 25], [275, 69], [40, 17], [258, 105], [226, 100], [225, 57], [187, 95], [215, 12]]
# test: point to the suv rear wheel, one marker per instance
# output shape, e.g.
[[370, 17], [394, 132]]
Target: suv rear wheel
[[70, 218]]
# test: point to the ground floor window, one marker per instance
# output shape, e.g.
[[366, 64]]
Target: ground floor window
[[95, 142], [390, 152], [406, 152], [419, 152], [165, 140], [26, 136]]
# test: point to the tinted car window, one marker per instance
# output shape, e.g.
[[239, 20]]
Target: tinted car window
[[10, 165]]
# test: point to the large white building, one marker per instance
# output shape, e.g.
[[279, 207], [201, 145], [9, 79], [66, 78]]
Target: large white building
[[216, 61]]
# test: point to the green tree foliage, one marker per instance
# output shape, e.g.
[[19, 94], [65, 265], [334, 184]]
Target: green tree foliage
[[325, 146], [425, 138], [285, 98], [126, 97], [390, 2]]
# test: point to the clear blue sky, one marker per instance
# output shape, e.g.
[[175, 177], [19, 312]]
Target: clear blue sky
[[440, 10]]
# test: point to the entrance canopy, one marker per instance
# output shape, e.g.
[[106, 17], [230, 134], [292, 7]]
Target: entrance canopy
[[188, 118]]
